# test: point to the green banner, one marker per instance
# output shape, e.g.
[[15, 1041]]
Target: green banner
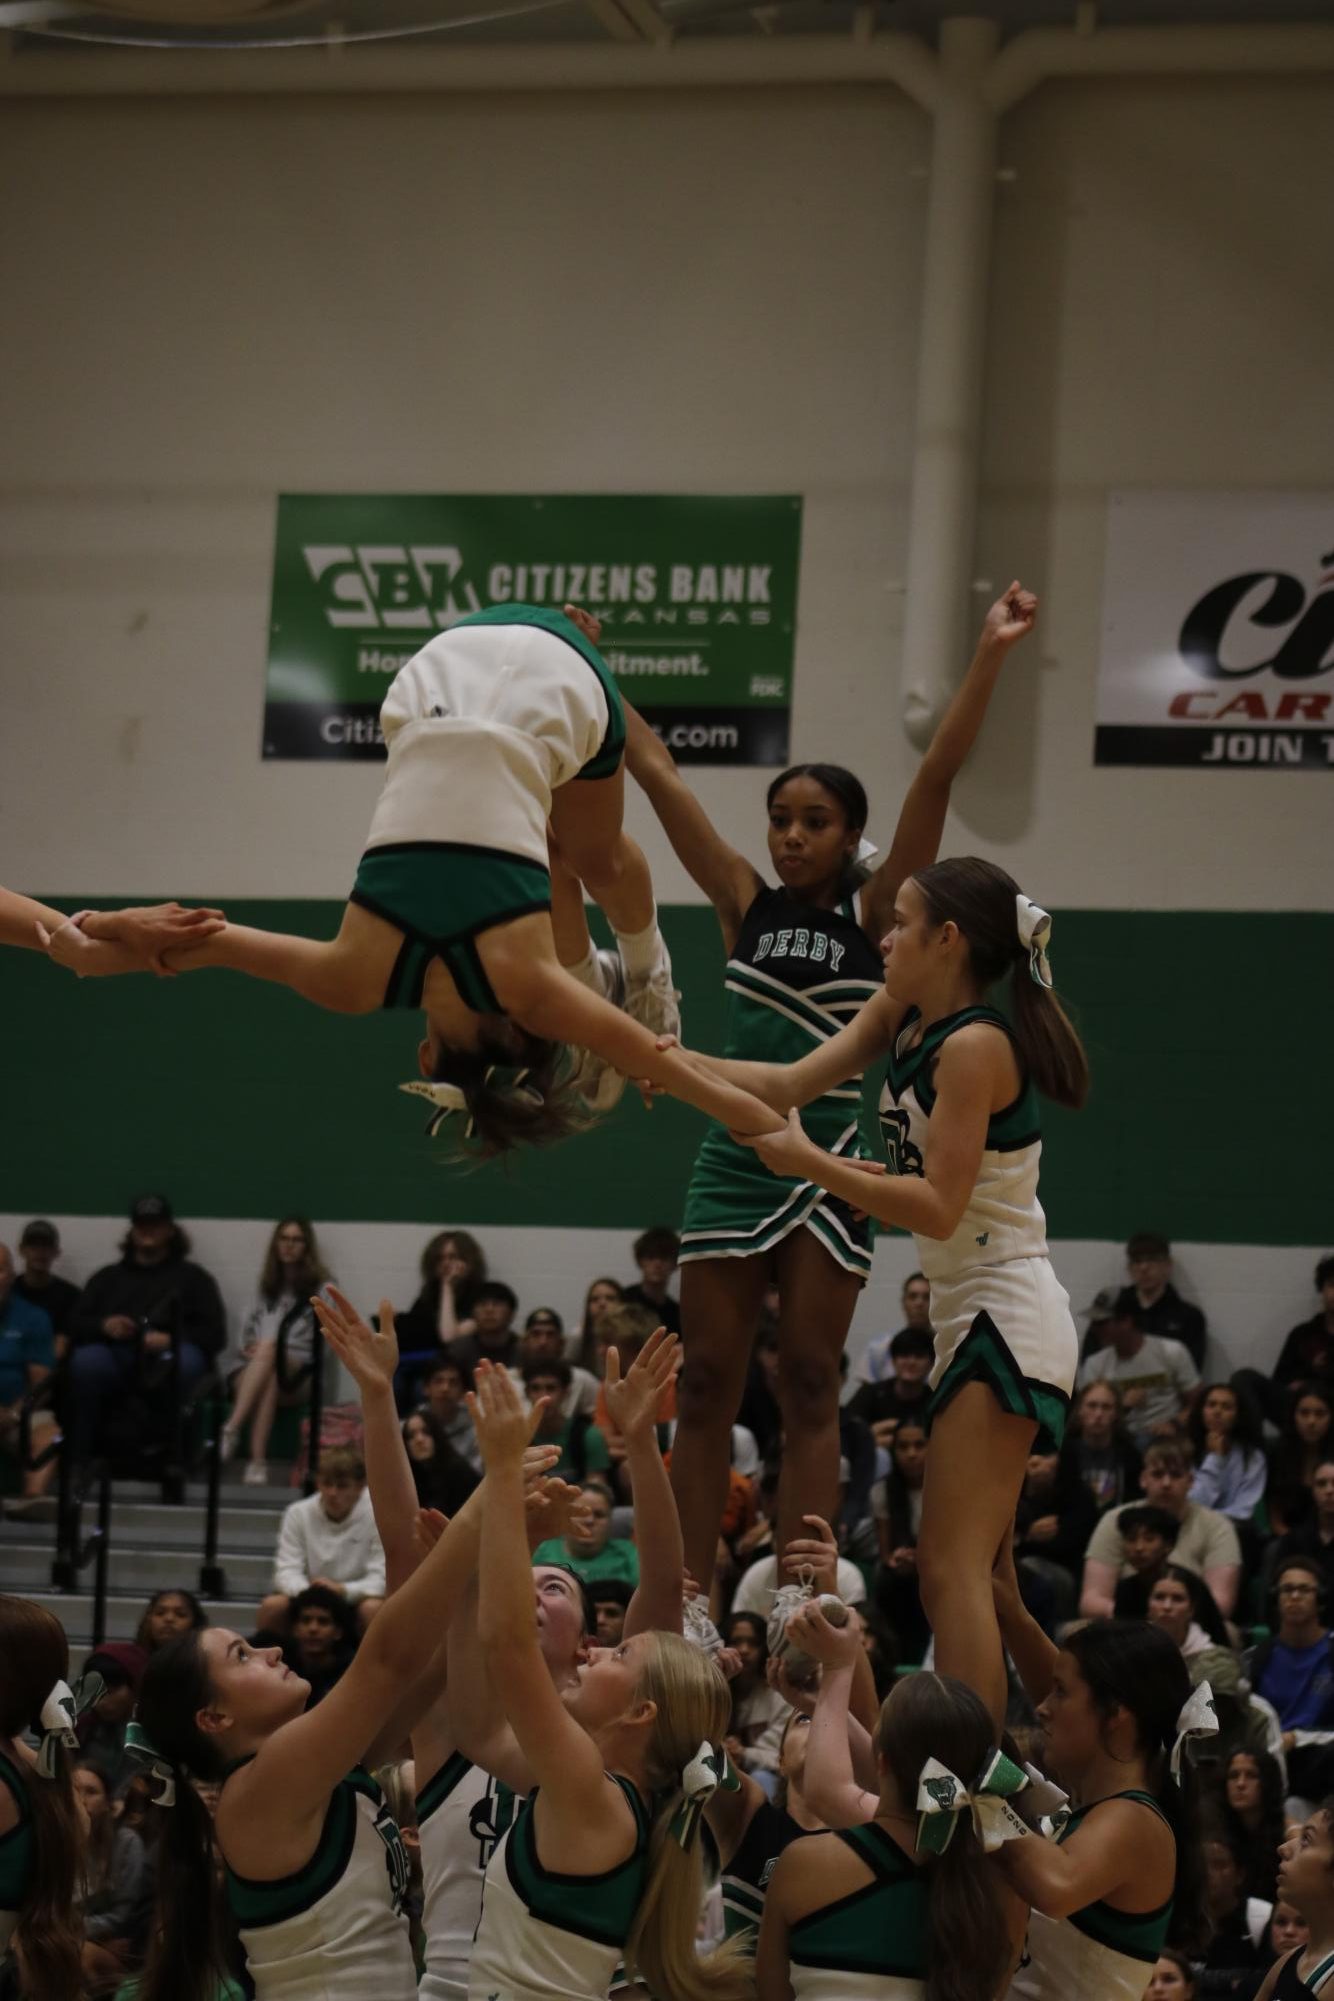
[[697, 597]]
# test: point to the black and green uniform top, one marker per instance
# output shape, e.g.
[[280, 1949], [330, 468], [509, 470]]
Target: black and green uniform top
[[333, 1930], [797, 975], [483, 727], [16, 1852], [746, 1877], [551, 1936], [1099, 1950], [1292, 1986], [872, 1942]]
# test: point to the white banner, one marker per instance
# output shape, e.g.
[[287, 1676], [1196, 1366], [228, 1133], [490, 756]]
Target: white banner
[[1218, 631]]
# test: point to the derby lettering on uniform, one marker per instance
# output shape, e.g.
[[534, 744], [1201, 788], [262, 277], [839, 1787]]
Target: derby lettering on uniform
[[816, 946]]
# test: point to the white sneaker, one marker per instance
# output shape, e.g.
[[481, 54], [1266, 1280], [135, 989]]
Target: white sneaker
[[654, 1001], [256, 1474], [698, 1627], [610, 969], [790, 1599], [228, 1440]]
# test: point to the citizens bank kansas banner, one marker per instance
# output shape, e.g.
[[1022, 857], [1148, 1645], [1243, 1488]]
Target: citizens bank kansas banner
[[1218, 631], [697, 597]]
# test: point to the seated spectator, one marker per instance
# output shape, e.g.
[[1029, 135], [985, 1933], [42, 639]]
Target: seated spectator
[[493, 1338], [611, 1601], [128, 1319], [543, 1340], [101, 1729], [1294, 1671], [583, 1448], [759, 1712], [1288, 1930], [904, 1394], [896, 1504], [1237, 1922], [1206, 1541], [1155, 1376], [1105, 1457], [168, 1614], [1155, 1302], [1230, 1465], [1148, 1537], [27, 1359], [1303, 1442], [1248, 1806], [877, 1364], [656, 1253], [329, 1539], [602, 1295], [323, 1639], [277, 1341], [39, 1247], [1315, 1536], [880, 1644], [759, 1585], [446, 1386], [1055, 1518], [588, 1547], [1172, 1979], [115, 1892], [452, 1266], [443, 1477], [759, 1410], [1308, 1351], [1179, 1606]]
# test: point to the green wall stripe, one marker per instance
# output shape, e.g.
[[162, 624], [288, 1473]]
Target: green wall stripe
[[241, 1100]]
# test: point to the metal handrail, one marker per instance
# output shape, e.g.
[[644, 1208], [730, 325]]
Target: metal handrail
[[73, 1550]]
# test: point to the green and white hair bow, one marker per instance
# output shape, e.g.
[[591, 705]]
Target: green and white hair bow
[[140, 1748], [709, 1771], [449, 1098], [59, 1714], [942, 1799], [1034, 925], [1198, 1718]]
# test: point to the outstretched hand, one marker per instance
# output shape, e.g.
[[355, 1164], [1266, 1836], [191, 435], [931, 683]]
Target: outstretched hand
[[587, 621], [787, 1151], [796, 1694], [1011, 617], [816, 1553], [370, 1357], [833, 1646], [90, 958], [633, 1400], [502, 1423], [550, 1507]]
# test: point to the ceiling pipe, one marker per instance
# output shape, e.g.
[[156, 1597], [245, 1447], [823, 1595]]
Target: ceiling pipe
[[1041, 54]]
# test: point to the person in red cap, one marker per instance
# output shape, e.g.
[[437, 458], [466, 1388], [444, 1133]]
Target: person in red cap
[[101, 1729]]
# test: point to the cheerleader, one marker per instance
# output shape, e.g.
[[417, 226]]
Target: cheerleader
[[602, 1862], [506, 723], [1123, 1876], [40, 1839], [906, 1907], [1306, 1881], [802, 958], [960, 1120]]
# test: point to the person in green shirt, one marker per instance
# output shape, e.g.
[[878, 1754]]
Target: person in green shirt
[[583, 1447], [588, 1547]]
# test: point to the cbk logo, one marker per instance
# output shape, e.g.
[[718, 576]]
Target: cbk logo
[[390, 586]]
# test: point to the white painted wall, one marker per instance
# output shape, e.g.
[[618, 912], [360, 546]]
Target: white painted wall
[[1252, 1293], [213, 300]]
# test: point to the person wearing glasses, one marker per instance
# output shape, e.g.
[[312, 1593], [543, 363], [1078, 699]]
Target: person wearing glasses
[[1294, 1671]]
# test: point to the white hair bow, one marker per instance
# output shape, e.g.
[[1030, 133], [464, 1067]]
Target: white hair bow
[[57, 1720], [709, 1770], [447, 1099], [1034, 935], [865, 850], [1198, 1718], [941, 1799]]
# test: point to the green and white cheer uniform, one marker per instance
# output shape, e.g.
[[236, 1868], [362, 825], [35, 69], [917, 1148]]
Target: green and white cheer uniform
[[551, 1937], [15, 1853], [1097, 1951], [334, 1930], [1292, 1987], [462, 1813], [872, 1942], [1000, 1315], [797, 975], [484, 725]]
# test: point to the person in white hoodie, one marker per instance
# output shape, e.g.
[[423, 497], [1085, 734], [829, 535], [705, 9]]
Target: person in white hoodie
[[329, 1539]]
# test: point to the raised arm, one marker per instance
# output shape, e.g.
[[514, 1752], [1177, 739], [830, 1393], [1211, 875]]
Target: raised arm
[[783, 1085], [633, 1403], [829, 1787], [1033, 1654], [728, 880], [921, 820], [370, 1358]]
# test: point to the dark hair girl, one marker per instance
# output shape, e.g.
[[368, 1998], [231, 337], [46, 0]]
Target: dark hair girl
[[1125, 1876], [167, 1615], [806, 950], [1248, 1805], [277, 1340], [40, 1837], [868, 1898], [603, 1294], [1302, 1443], [442, 1476]]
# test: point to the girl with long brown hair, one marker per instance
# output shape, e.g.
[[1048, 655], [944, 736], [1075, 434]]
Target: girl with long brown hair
[[959, 1114], [40, 1836], [277, 1339]]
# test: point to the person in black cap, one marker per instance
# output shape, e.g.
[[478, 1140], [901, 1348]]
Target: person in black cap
[[130, 1316], [39, 1247]]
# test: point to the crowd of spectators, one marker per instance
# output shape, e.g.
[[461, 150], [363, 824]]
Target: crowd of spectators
[[1205, 1507]]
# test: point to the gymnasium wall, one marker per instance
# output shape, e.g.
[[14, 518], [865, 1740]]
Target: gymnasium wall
[[219, 300]]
